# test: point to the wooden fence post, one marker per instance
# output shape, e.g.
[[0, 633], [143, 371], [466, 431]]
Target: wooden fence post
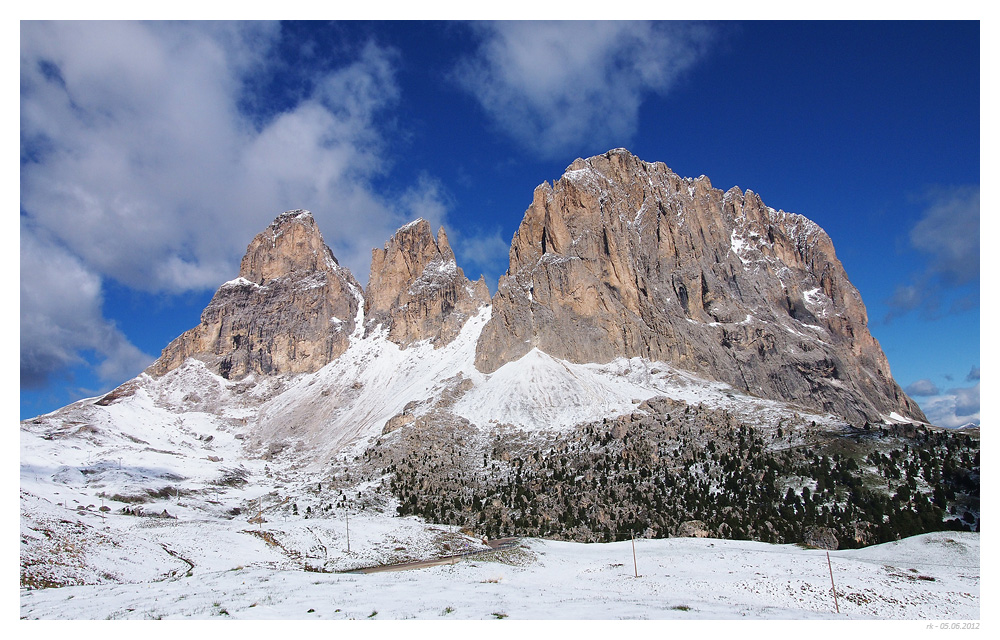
[[832, 585]]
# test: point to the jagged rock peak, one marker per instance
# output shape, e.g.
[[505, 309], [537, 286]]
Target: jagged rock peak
[[622, 258], [292, 309], [290, 244], [416, 291]]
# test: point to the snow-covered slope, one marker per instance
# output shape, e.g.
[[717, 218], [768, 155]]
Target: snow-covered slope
[[199, 446], [319, 415], [351, 399], [353, 396], [540, 392], [184, 465], [931, 577]]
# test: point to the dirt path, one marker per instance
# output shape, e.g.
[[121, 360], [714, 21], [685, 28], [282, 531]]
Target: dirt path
[[406, 566], [182, 559], [494, 545]]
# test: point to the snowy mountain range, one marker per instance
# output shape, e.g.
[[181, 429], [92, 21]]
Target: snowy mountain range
[[657, 349]]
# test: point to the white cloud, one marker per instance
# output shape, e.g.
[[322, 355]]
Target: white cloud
[[906, 298], [555, 85], [428, 199], [948, 234], [141, 161], [954, 408], [61, 316], [132, 143], [922, 387], [966, 401]]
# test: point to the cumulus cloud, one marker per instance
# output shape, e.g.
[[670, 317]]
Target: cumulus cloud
[[140, 161], [922, 388], [148, 156], [555, 85], [948, 234], [126, 128], [953, 408], [61, 316], [966, 401]]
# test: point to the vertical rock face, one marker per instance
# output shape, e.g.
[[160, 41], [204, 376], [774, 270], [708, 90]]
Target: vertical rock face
[[291, 310], [416, 290], [621, 257]]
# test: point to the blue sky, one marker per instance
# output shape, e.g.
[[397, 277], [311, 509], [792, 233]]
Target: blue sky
[[152, 153]]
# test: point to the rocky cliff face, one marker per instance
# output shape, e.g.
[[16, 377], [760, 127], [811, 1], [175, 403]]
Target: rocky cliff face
[[291, 310], [618, 258], [416, 290], [621, 257]]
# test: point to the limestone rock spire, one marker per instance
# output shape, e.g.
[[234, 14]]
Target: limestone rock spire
[[292, 309], [416, 291], [624, 258]]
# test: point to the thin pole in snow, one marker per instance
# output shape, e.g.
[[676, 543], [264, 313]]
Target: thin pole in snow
[[634, 563], [831, 582]]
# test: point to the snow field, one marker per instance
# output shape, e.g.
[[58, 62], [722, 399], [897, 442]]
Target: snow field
[[679, 579], [210, 562]]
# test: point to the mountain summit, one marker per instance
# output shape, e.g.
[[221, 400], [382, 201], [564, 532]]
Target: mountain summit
[[416, 291], [291, 310], [661, 359], [619, 258], [624, 258]]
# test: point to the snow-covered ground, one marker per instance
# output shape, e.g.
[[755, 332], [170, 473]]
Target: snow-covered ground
[[932, 577], [210, 452], [344, 406]]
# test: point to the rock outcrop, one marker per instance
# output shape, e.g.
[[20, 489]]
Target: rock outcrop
[[416, 290], [621, 257], [821, 538], [292, 309], [618, 258]]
